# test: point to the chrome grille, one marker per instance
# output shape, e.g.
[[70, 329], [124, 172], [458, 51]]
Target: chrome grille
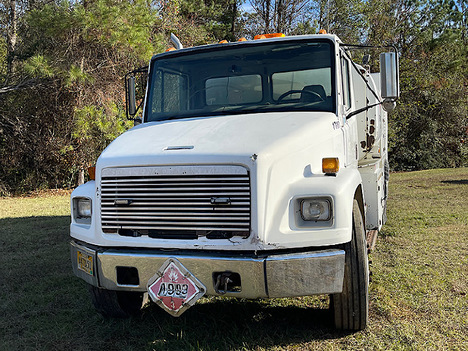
[[176, 202]]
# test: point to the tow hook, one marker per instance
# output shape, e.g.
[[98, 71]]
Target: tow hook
[[222, 280], [227, 282]]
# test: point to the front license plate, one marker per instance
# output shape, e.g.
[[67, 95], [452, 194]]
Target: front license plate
[[174, 288], [85, 262]]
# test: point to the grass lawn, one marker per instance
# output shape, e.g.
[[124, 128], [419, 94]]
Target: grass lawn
[[418, 290]]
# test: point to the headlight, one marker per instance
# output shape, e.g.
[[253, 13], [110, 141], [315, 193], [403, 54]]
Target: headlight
[[316, 209], [82, 208]]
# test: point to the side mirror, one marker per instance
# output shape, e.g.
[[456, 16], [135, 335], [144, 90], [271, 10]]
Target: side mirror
[[389, 79], [135, 86], [131, 102]]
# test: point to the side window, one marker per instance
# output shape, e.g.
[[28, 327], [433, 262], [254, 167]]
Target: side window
[[169, 92], [346, 85]]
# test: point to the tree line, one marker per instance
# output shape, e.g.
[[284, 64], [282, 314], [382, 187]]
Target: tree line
[[62, 64]]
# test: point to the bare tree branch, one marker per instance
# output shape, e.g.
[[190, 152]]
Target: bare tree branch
[[23, 85]]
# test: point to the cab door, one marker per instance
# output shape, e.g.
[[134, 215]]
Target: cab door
[[348, 126]]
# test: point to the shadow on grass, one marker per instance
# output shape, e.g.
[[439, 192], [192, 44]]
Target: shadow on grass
[[457, 181], [47, 307], [235, 324]]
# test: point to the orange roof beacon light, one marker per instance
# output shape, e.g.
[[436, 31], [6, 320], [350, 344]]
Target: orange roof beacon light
[[269, 35], [223, 41], [170, 49], [322, 31], [242, 39]]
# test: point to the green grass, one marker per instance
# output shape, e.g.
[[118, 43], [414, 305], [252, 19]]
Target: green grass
[[418, 291]]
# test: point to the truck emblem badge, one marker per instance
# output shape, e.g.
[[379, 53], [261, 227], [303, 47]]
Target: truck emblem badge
[[220, 201]]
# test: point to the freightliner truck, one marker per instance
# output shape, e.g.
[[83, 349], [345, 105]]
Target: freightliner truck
[[258, 171]]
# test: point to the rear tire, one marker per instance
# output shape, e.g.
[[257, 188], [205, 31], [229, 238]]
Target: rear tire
[[116, 304], [351, 306]]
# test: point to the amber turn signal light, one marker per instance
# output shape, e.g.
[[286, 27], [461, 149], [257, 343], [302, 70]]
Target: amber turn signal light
[[92, 172], [330, 165]]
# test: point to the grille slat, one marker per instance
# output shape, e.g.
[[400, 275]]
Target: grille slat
[[150, 180], [176, 201], [184, 188], [173, 203], [193, 223], [121, 214], [201, 219], [129, 194], [180, 209], [178, 228]]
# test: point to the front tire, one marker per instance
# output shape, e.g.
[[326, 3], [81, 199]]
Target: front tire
[[351, 306], [116, 304]]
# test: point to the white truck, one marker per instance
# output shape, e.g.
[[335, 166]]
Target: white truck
[[258, 170]]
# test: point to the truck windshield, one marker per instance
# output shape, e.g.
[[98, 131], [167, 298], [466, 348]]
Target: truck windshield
[[244, 78]]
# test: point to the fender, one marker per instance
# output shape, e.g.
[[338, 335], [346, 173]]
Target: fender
[[85, 232], [281, 229]]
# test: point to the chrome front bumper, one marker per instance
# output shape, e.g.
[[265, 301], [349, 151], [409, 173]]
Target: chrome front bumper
[[262, 276]]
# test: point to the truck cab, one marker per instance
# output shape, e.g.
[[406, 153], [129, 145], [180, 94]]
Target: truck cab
[[258, 170]]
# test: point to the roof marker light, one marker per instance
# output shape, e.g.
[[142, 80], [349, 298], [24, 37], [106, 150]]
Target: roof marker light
[[269, 35]]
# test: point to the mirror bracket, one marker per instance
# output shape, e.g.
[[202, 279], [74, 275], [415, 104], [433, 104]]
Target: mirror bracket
[[134, 80]]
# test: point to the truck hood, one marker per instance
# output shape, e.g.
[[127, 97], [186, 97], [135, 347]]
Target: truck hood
[[218, 139]]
